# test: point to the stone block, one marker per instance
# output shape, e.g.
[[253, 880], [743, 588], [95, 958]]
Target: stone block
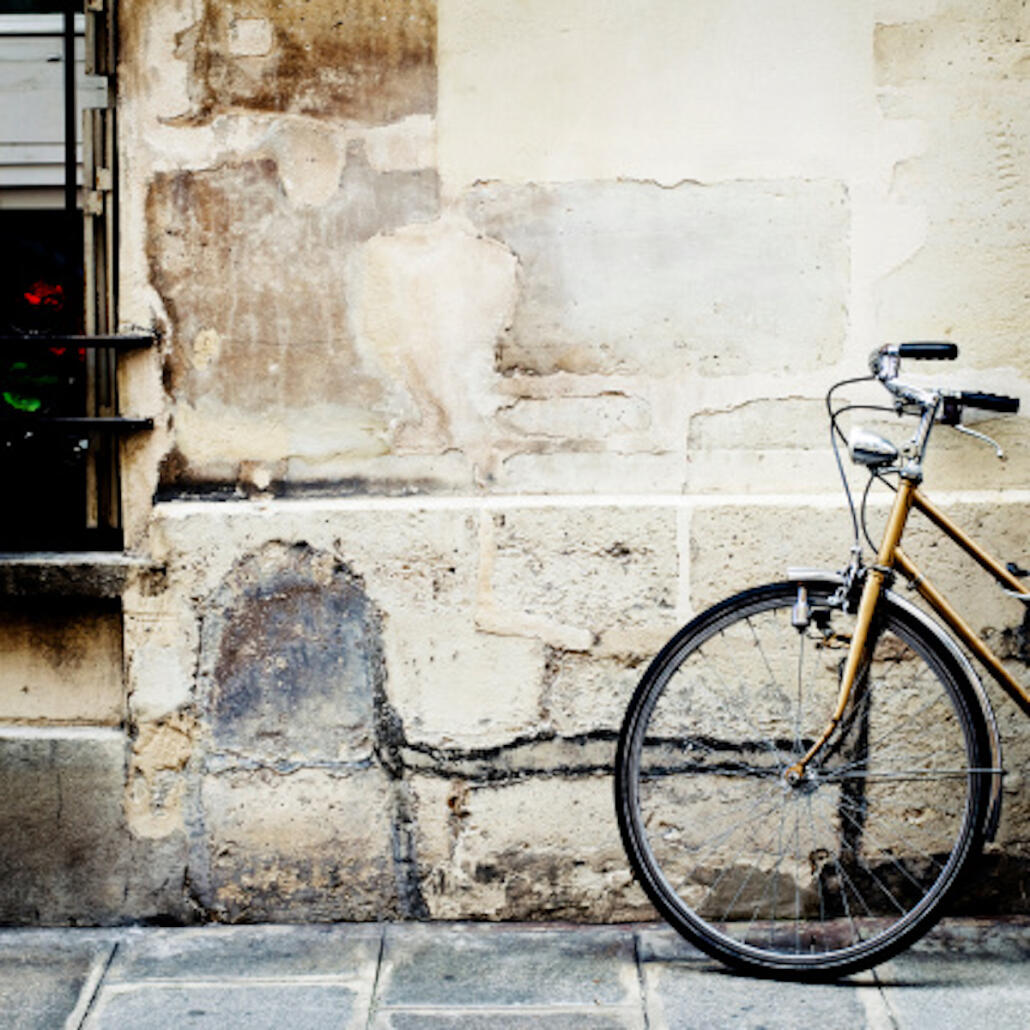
[[1000, 528], [297, 976], [160, 657], [727, 279], [563, 469], [208, 1006], [66, 855], [539, 848], [961, 72], [429, 302], [926, 987], [776, 444], [312, 845], [751, 1002], [584, 693], [655, 94], [61, 666], [587, 569], [62, 832], [571, 418], [228, 232], [628, 1017], [452, 685], [958, 462], [425, 559], [570, 433], [781, 444], [761, 445], [204, 221], [787, 423], [734, 547]]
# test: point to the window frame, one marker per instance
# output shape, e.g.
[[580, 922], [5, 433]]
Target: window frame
[[101, 427]]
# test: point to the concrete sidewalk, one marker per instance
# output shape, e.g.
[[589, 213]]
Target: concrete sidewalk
[[436, 975]]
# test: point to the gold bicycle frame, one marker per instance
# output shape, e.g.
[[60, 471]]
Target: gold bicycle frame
[[891, 557]]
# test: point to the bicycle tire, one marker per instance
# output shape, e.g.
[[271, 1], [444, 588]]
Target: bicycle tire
[[831, 876]]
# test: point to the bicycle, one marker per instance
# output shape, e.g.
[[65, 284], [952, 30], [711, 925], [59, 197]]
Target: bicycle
[[807, 769]]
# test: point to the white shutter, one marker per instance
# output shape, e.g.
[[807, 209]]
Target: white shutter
[[32, 106]]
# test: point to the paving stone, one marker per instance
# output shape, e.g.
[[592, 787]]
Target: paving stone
[[510, 1019], [226, 1006], [944, 990], [489, 968], [43, 975], [688, 995], [685, 988], [247, 953], [663, 944], [961, 968], [467, 976]]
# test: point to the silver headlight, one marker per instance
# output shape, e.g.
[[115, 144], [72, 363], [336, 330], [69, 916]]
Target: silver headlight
[[871, 449]]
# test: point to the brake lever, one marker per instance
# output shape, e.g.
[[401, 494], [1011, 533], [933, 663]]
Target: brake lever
[[981, 436]]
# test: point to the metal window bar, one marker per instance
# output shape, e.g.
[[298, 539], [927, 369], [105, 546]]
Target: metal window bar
[[101, 423]]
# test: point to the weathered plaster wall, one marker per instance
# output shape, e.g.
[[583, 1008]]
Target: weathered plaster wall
[[493, 345]]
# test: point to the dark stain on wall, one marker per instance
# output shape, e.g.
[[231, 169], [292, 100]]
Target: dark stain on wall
[[230, 255], [292, 645], [293, 696], [372, 61]]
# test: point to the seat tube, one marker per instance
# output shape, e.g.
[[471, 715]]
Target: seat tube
[[871, 590]]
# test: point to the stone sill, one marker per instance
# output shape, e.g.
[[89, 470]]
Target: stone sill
[[96, 575]]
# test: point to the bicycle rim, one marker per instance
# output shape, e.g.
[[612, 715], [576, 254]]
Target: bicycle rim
[[832, 875]]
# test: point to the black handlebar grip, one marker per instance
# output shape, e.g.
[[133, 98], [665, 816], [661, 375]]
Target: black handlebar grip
[[989, 401], [928, 351]]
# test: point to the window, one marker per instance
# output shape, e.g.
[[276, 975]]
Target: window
[[60, 425]]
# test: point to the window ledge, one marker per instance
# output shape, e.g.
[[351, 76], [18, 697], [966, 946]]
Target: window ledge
[[79, 574]]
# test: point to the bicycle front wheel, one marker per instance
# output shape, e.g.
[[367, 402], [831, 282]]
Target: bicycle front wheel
[[819, 878]]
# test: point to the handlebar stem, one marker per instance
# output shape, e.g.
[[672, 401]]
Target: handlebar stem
[[915, 449], [885, 364]]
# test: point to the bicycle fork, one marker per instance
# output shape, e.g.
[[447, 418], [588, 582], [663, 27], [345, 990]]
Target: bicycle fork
[[875, 578]]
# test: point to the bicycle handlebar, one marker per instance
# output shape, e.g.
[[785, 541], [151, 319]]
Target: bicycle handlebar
[[885, 363], [953, 403], [928, 351], [988, 401]]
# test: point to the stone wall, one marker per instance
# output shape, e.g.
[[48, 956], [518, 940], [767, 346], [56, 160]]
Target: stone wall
[[493, 341]]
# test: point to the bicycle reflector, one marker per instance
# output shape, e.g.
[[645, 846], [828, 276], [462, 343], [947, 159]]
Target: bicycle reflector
[[870, 449]]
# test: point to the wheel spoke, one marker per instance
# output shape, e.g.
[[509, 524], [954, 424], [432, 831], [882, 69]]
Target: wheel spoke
[[823, 875]]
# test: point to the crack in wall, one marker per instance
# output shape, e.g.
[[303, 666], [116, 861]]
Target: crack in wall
[[389, 738], [544, 755]]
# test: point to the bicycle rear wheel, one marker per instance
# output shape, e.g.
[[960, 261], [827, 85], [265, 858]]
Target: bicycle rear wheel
[[830, 875]]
